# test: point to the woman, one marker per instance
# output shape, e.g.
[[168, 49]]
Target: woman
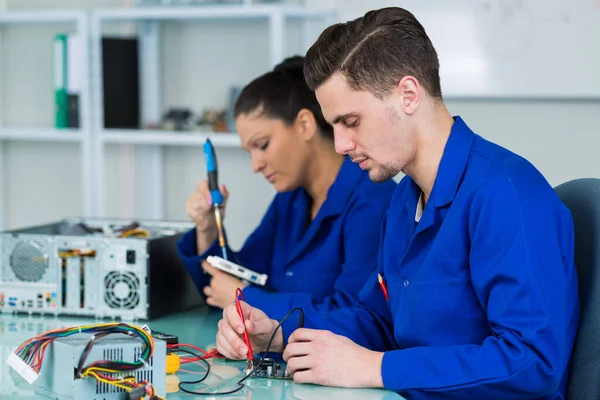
[[319, 238]]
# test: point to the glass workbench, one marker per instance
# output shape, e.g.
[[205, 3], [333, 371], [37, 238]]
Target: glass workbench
[[197, 327]]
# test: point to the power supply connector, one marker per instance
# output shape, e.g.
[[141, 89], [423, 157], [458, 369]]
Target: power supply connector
[[173, 363], [137, 393], [22, 368]]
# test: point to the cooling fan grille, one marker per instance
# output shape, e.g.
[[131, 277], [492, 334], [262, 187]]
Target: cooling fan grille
[[122, 290], [29, 261]]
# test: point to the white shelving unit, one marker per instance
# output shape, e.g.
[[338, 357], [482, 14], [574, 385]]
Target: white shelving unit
[[83, 135], [169, 138], [41, 134], [92, 137], [150, 143]]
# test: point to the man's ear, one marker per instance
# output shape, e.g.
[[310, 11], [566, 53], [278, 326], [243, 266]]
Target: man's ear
[[409, 93], [305, 124]]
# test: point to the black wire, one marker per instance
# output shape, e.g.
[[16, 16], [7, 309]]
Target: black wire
[[198, 355], [269, 288], [237, 259], [109, 364], [86, 352], [240, 382]]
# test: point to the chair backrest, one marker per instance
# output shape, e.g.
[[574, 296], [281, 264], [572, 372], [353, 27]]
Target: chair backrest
[[582, 197]]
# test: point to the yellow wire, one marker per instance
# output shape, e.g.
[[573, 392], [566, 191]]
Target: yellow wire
[[114, 383], [99, 369], [138, 231]]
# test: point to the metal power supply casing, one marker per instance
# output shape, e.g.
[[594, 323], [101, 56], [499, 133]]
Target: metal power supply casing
[[79, 267], [57, 376]]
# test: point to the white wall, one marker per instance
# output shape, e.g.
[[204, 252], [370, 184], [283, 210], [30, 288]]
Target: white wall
[[43, 181], [560, 138]]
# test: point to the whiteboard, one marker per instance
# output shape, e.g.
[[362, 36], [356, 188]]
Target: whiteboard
[[508, 48]]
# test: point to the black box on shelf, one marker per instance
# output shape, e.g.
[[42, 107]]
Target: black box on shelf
[[120, 75]]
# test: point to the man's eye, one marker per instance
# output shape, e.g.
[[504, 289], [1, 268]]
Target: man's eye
[[351, 123]]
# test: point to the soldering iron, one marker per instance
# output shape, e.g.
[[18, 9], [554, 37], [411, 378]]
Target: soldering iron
[[215, 192]]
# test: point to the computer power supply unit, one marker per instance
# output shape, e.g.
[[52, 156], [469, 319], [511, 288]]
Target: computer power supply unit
[[57, 377], [13, 332], [96, 267]]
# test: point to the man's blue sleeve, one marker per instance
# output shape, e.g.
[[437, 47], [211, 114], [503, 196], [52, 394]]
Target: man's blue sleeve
[[361, 243], [521, 266], [368, 322], [255, 254]]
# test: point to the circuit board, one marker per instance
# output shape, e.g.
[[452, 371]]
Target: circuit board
[[268, 369]]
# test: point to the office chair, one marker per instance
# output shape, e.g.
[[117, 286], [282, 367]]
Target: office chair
[[582, 197]]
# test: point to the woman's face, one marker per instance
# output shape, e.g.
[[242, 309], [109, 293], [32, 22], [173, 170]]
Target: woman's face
[[278, 151]]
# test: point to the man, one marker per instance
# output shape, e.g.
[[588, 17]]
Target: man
[[476, 250]]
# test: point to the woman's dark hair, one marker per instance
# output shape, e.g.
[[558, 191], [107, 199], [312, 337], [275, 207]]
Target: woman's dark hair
[[281, 94]]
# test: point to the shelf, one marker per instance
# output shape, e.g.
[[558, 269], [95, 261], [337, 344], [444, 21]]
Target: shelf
[[25, 17], [169, 138], [208, 12], [40, 134]]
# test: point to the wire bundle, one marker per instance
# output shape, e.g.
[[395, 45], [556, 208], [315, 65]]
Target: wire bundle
[[33, 350], [137, 232], [136, 390], [132, 229]]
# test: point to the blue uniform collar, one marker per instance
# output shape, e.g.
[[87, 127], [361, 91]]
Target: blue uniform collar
[[453, 163], [338, 194], [343, 186], [450, 172]]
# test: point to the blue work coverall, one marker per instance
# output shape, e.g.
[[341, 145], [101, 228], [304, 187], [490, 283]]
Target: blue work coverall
[[483, 296]]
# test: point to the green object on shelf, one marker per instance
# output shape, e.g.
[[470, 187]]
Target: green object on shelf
[[61, 97]]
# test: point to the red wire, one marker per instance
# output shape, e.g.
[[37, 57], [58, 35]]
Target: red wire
[[238, 294], [186, 360], [190, 346], [206, 354]]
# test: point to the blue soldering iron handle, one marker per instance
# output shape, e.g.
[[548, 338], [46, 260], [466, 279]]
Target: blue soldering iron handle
[[211, 169]]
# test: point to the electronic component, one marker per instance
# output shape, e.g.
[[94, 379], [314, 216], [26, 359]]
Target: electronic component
[[237, 270], [96, 267], [99, 361], [267, 369], [57, 379], [173, 363], [12, 333], [276, 371], [168, 338]]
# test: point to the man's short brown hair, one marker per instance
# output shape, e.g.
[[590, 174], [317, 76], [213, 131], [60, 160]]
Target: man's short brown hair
[[374, 52]]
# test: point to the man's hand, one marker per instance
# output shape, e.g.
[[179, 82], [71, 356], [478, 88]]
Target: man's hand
[[259, 326], [321, 357], [221, 291]]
